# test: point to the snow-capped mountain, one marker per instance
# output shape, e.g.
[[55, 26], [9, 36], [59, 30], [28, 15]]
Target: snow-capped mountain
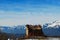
[[55, 24], [52, 29], [18, 30]]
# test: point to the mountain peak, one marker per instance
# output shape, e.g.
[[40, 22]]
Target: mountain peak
[[54, 24]]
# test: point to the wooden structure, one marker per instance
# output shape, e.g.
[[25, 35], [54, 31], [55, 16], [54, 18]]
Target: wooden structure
[[34, 30]]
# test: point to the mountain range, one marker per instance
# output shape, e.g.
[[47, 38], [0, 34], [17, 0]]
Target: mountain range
[[52, 29], [19, 30]]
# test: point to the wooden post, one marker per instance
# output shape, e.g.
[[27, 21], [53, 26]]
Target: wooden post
[[26, 32]]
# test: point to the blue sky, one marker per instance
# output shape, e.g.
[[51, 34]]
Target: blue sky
[[16, 12]]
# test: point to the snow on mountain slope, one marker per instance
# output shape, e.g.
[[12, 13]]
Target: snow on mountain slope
[[55, 24], [51, 29], [19, 29]]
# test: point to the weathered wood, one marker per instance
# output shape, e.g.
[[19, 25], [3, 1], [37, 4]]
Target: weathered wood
[[34, 30]]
